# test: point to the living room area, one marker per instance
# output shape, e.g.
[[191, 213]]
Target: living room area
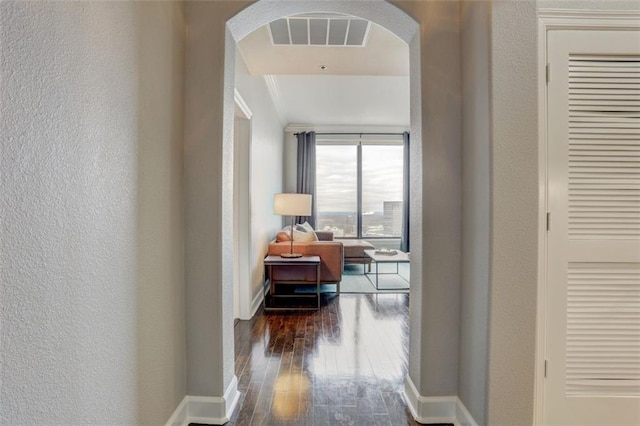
[[322, 108], [303, 262]]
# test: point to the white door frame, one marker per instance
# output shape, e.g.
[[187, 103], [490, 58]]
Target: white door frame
[[550, 20], [242, 291]]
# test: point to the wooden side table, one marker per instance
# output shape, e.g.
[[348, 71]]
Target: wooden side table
[[271, 261]]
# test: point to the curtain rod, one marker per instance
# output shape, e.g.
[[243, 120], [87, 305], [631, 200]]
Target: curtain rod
[[354, 133]]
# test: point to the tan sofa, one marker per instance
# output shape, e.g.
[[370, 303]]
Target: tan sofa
[[331, 257], [354, 252]]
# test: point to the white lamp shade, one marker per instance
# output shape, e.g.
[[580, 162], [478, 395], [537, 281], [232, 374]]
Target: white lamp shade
[[292, 204]]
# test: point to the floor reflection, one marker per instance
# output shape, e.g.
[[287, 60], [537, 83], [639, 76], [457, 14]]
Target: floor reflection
[[344, 364], [292, 396]]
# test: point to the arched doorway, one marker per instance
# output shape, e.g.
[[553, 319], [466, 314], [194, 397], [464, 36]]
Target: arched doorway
[[379, 12], [214, 28]]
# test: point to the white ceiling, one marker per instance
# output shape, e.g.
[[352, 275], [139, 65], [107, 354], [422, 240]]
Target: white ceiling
[[383, 54], [342, 99], [361, 86]]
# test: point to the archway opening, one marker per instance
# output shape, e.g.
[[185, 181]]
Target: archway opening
[[383, 14]]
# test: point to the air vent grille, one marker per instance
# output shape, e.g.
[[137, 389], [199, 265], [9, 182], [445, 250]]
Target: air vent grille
[[331, 32]]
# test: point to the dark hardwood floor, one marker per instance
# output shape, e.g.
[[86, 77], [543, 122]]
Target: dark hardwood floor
[[342, 365]]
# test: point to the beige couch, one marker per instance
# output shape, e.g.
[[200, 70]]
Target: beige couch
[[331, 257], [354, 252]]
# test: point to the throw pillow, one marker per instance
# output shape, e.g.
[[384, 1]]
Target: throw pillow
[[283, 236], [304, 236], [307, 227]]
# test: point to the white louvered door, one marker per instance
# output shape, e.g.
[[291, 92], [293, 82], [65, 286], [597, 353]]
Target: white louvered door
[[593, 247]]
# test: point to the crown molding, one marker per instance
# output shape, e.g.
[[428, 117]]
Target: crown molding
[[589, 14], [341, 128], [242, 105], [272, 86], [560, 19]]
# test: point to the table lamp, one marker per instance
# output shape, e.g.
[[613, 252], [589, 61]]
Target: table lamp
[[292, 205]]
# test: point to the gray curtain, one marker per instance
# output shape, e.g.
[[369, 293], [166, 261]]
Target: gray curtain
[[404, 240], [306, 183]]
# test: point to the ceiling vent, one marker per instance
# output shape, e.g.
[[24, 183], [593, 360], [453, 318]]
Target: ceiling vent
[[317, 31]]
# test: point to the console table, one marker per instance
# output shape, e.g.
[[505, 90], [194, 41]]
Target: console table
[[277, 261]]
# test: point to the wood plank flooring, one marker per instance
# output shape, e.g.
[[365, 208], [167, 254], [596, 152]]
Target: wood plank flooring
[[342, 365]]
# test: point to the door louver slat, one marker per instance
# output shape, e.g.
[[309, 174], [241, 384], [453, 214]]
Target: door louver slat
[[604, 146], [592, 292], [603, 300], [603, 329]]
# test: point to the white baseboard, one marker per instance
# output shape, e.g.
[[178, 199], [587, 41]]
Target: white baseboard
[[463, 415], [436, 409], [206, 409], [256, 302], [179, 416]]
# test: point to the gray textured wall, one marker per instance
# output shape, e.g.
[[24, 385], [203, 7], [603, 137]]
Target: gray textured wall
[[514, 211], [92, 230], [435, 294], [475, 27], [267, 142], [208, 229]]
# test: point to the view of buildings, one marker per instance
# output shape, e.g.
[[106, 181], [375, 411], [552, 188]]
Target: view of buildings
[[378, 187], [381, 224]]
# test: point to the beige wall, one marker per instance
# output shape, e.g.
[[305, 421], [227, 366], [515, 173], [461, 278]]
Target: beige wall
[[92, 227], [435, 296], [475, 21], [514, 217], [266, 167], [208, 261], [160, 295]]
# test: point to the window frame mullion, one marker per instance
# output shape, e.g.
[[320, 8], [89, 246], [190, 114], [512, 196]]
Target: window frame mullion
[[359, 192]]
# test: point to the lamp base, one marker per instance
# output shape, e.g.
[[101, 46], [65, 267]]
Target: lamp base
[[290, 255]]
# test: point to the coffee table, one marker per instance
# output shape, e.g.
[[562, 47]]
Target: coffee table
[[399, 257]]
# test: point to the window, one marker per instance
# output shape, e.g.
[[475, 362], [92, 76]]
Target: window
[[337, 189], [359, 186]]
